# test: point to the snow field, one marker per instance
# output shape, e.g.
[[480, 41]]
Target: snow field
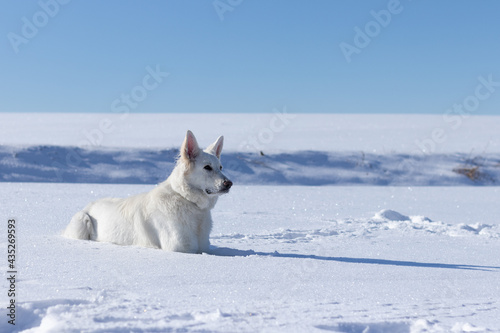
[[288, 258], [418, 254], [280, 130]]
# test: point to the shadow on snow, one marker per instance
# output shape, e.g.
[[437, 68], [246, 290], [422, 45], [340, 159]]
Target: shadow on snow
[[229, 252]]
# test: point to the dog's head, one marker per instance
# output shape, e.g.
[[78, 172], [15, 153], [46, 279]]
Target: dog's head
[[203, 167]]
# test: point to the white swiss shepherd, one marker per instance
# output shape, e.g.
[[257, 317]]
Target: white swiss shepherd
[[174, 216]]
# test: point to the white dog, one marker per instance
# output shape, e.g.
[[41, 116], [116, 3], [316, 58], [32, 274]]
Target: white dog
[[174, 216]]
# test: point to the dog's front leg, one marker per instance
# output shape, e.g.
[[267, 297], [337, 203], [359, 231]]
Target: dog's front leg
[[203, 236], [183, 241]]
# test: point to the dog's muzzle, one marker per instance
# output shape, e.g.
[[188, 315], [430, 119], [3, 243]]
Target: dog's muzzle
[[226, 185]]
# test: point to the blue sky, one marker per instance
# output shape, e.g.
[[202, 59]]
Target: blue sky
[[249, 56]]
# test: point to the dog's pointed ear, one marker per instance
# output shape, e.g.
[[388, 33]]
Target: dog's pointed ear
[[216, 147], [190, 149]]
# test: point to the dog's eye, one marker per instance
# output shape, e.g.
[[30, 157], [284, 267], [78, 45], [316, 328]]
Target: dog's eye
[[220, 167], [208, 167]]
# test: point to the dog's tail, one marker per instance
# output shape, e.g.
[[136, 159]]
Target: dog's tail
[[80, 227]]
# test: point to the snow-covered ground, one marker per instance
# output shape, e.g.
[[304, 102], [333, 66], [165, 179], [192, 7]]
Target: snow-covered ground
[[277, 148], [286, 256], [279, 130]]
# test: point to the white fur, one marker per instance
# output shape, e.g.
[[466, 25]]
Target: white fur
[[174, 216]]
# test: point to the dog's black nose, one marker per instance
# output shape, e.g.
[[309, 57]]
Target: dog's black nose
[[227, 183]]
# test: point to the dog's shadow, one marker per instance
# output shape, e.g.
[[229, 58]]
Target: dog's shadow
[[229, 252]]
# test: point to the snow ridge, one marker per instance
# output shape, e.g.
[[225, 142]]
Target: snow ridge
[[148, 166], [382, 222]]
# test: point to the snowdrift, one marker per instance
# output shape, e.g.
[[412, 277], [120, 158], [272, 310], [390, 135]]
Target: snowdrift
[[150, 166]]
